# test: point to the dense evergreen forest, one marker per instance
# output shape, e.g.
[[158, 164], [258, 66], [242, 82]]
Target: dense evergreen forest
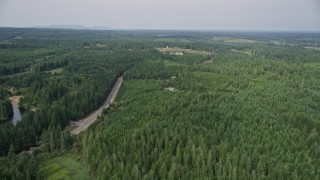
[[249, 110]]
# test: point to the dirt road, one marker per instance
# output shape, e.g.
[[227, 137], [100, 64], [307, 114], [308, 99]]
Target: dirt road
[[87, 121], [15, 101]]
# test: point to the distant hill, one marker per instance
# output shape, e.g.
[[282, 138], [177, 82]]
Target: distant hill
[[73, 27]]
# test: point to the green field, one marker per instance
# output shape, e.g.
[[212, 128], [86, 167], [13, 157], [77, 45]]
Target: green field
[[64, 167]]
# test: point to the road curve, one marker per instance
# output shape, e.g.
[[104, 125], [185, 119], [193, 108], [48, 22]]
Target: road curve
[[83, 124]]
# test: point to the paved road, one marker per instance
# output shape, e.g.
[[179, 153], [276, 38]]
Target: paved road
[[87, 121]]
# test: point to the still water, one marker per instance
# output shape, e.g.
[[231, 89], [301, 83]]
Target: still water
[[17, 116]]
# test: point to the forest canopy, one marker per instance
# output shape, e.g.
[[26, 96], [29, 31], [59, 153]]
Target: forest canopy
[[223, 106]]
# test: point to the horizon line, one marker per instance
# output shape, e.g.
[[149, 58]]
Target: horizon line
[[157, 29]]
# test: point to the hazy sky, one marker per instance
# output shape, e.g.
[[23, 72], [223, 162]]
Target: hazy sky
[[294, 15]]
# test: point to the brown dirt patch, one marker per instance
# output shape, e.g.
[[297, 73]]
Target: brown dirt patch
[[15, 101]]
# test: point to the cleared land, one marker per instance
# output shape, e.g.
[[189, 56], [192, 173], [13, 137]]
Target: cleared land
[[314, 48], [184, 51], [237, 40], [15, 101], [57, 70], [64, 167], [241, 41], [247, 52]]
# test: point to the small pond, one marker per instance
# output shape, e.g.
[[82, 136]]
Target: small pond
[[17, 116]]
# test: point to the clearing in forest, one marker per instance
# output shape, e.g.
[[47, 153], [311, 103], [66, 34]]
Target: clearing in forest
[[56, 71], [314, 48], [178, 51], [64, 167]]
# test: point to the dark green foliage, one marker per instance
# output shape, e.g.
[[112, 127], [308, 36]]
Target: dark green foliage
[[22, 166], [251, 112], [54, 139], [58, 85], [226, 122], [5, 110], [150, 70]]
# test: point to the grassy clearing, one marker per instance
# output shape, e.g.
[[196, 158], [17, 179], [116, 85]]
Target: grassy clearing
[[313, 48], [184, 51], [247, 52], [64, 167], [182, 40], [236, 40], [57, 70]]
